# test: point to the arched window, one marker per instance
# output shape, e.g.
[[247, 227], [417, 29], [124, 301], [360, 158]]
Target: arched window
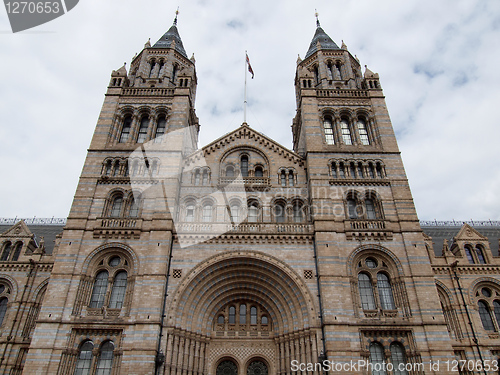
[[17, 251], [480, 255], [352, 170], [190, 211], [377, 359], [160, 128], [232, 315], [379, 170], [3, 308], [229, 171], [243, 314], [175, 68], [279, 212], [328, 128], [496, 310], [360, 171], [99, 290], [108, 168], [365, 288], [351, 208], [346, 132], [83, 365], [116, 206], [220, 319], [371, 170], [341, 170], [116, 169], [398, 358], [259, 172], [253, 315], [468, 253], [316, 74], [244, 166], [154, 168], [485, 315], [134, 208], [105, 361], [197, 178], [339, 70], [118, 291], [152, 67], [204, 180], [290, 178], [264, 320], [143, 130], [370, 209], [334, 170], [283, 178], [6, 251], [385, 292], [207, 213], [227, 368], [297, 213], [363, 133], [127, 123], [253, 212], [257, 368]]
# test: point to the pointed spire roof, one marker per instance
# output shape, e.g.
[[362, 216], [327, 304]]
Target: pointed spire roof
[[325, 42], [172, 35]]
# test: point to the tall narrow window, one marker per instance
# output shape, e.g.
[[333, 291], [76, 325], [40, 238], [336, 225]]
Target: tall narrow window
[[127, 123], [17, 251], [360, 170], [116, 169], [316, 74], [377, 359], [190, 212], [105, 361], [341, 170], [485, 315], [283, 178], [207, 213], [346, 132], [279, 213], [371, 170], [379, 170], [160, 128], [118, 290], [259, 172], [243, 314], [109, 167], [6, 251], [3, 308], [143, 130], [328, 128], [398, 358], [229, 171], [197, 178], [174, 73], [363, 133], [297, 213], [468, 253], [99, 291], [84, 359], [116, 207], [232, 315], [365, 288], [235, 213], [253, 315], [290, 178], [385, 292], [370, 209], [204, 180], [352, 170], [480, 255], [351, 208], [334, 170], [253, 213], [152, 68], [244, 166], [496, 310]]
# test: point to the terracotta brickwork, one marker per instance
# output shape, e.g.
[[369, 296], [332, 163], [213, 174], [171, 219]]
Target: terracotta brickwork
[[244, 257]]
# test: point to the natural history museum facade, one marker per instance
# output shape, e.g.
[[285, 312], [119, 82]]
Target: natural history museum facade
[[245, 257]]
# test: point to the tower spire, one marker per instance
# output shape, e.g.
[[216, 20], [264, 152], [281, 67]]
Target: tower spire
[[176, 14], [317, 18]]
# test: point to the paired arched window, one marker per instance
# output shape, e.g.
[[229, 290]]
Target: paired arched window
[[201, 177], [86, 359], [379, 361], [374, 285], [116, 289], [287, 178], [17, 251], [476, 255], [242, 314], [363, 209], [120, 207], [356, 169], [489, 308], [126, 127]]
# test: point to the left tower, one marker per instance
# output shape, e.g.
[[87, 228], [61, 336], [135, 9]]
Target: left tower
[[102, 311]]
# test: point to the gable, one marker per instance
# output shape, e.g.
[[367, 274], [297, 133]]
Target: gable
[[467, 233], [18, 230]]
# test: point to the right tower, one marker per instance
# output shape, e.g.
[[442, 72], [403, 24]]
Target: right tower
[[375, 280]]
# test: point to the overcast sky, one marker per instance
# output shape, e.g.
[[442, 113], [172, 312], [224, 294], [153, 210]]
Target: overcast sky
[[437, 62]]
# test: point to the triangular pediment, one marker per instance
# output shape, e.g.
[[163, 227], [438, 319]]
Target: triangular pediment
[[468, 233], [254, 138], [18, 230]]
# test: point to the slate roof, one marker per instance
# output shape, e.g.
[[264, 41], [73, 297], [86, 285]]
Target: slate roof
[[324, 40], [166, 40], [48, 232]]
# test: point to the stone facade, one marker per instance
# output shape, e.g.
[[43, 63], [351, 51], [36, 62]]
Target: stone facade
[[245, 257]]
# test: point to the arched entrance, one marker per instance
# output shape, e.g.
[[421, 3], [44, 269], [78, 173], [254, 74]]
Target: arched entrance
[[227, 367], [246, 306]]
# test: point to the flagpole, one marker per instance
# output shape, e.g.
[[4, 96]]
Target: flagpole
[[245, 96]]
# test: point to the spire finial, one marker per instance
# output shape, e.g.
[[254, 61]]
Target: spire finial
[[176, 14], [317, 18]]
